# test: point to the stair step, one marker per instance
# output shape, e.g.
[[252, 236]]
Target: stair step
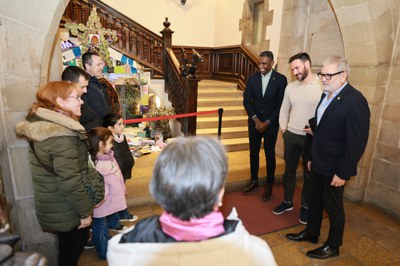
[[226, 133], [222, 102], [213, 95], [228, 110], [237, 144], [229, 121]]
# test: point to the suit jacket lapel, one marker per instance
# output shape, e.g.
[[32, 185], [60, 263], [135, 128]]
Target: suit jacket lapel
[[270, 85], [335, 102]]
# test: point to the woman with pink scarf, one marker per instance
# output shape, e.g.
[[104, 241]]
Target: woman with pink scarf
[[188, 182]]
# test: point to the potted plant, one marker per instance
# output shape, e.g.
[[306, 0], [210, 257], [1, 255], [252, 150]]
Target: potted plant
[[160, 125]]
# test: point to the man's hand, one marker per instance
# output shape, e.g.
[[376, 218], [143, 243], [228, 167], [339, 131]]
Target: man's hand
[[337, 181], [308, 130], [85, 222], [261, 126]]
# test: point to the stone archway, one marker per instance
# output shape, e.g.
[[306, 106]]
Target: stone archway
[[370, 33], [366, 33], [28, 29]]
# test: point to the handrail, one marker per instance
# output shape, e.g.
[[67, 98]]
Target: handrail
[[134, 40]]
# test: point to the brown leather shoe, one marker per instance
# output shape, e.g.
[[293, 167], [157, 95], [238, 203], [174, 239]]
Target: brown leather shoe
[[250, 187], [267, 192], [323, 252]]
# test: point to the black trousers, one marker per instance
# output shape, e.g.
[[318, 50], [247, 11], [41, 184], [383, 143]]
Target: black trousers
[[270, 135], [70, 246], [294, 148], [324, 196]]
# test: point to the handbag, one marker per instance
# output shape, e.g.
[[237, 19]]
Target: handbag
[[93, 181]]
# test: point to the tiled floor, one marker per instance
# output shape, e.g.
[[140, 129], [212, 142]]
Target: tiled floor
[[372, 237]]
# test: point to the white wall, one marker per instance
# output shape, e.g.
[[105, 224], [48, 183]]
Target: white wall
[[274, 30], [227, 16], [211, 23], [192, 23]]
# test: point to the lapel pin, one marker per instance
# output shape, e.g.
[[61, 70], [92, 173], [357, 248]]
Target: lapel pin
[[338, 98]]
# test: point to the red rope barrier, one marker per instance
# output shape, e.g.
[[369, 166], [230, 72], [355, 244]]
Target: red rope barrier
[[138, 120]]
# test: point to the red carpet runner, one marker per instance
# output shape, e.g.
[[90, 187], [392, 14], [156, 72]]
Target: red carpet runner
[[257, 215]]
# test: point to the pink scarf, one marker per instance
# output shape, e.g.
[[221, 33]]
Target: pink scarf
[[209, 226]]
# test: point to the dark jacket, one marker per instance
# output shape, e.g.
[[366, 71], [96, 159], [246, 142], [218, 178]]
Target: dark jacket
[[149, 230], [267, 107], [95, 106], [124, 158], [60, 201], [341, 136]]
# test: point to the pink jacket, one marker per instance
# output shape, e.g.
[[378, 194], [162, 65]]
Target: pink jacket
[[114, 193]]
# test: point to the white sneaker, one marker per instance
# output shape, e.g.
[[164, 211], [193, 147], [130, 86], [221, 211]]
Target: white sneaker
[[131, 219]]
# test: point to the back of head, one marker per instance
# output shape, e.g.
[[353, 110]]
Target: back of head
[[302, 56], [72, 74], [46, 97], [95, 136], [188, 176], [111, 119]]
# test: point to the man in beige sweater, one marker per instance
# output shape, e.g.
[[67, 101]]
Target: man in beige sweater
[[298, 106]]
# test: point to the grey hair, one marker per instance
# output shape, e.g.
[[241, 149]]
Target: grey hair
[[188, 176], [340, 61]]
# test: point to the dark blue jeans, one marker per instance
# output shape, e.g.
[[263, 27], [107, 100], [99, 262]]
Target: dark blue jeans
[[100, 236], [113, 219]]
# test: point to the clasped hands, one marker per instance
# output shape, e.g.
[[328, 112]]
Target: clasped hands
[[261, 126]]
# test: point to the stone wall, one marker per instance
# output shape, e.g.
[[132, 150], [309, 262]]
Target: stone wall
[[369, 31], [27, 34]]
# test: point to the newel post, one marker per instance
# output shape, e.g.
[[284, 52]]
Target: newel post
[[167, 39]]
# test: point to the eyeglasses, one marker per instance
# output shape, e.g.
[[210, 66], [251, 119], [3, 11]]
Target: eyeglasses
[[76, 97], [328, 76]]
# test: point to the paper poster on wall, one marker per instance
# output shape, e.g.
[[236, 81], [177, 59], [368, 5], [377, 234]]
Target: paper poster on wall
[[68, 56]]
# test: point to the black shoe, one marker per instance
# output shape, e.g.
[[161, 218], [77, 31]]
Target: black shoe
[[302, 236], [304, 215], [283, 207], [267, 192], [89, 244], [250, 187], [323, 252]]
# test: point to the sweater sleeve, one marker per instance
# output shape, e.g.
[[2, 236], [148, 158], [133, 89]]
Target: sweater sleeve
[[284, 112]]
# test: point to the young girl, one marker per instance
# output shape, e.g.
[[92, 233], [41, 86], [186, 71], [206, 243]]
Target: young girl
[[100, 149], [122, 154]]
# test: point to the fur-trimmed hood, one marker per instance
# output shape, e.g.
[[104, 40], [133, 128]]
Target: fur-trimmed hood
[[49, 124]]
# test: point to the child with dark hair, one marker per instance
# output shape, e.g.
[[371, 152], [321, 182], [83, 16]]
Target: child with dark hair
[[100, 149], [122, 154]]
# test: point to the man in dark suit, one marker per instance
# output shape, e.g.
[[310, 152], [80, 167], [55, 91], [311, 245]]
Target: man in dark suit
[[340, 138], [262, 100]]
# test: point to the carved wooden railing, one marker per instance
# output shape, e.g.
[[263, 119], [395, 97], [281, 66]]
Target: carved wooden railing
[[182, 90], [233, 63], [134, 40]]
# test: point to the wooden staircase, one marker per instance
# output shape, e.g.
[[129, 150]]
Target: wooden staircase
[[214, 94]]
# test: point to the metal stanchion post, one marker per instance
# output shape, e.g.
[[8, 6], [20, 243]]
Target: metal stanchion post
[[220, 111]]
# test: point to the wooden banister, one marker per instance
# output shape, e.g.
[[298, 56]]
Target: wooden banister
[[230, 63]]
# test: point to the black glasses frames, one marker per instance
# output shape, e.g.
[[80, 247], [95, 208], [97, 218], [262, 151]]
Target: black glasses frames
[[328, 76]]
